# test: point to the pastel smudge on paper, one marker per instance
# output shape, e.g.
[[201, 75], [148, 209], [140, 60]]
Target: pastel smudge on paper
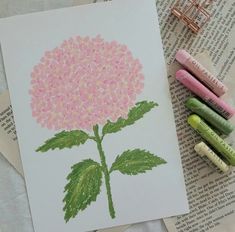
[[84, 82]]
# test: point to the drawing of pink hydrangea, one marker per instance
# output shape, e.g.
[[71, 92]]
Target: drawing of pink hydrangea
[[87, 87]]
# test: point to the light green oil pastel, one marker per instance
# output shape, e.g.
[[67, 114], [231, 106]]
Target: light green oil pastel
[[212, 138], [218, 122]]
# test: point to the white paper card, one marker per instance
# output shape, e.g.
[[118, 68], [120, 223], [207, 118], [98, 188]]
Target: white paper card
[[93, 116]]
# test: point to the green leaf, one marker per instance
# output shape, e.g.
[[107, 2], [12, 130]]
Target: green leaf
[[136, 113], [83, 187], [135, 162], [64, 139]]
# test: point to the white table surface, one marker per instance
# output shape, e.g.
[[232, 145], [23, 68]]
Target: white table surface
[[14, 208]]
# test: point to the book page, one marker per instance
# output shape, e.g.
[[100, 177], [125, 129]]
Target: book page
[[115, 229], [211, 195], [8, 139]]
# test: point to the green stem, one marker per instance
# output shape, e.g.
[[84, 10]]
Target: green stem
[[105, 170]]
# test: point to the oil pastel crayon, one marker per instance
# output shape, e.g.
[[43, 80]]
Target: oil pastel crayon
[[218, 122], [204, 151], [205, 94], [212, 138], [207, 78]]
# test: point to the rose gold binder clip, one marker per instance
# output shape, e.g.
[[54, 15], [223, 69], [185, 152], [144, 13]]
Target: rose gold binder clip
[[193, 13]]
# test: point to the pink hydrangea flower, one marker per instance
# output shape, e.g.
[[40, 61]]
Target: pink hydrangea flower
[[84, 82]]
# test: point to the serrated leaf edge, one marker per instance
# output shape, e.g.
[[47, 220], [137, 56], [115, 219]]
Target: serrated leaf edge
[[96, 164], [109, 123], [139, 172], [42, 147]]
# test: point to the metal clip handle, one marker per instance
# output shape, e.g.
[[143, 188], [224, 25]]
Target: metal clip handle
[[192, 13]]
